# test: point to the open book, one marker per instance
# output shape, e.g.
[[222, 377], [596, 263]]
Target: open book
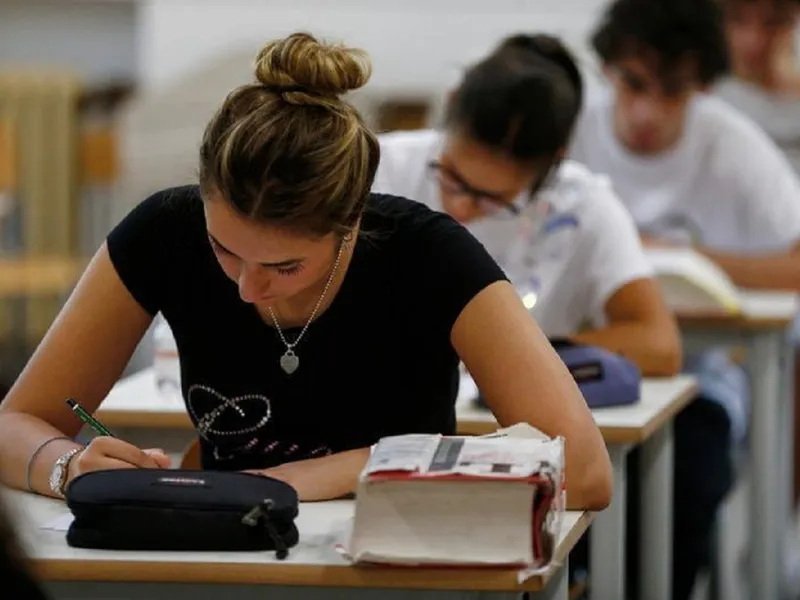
[[691, 282], [460, 501]]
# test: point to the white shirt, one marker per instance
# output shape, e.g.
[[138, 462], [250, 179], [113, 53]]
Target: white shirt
[[725, 184], [573, 248], [777, 115]]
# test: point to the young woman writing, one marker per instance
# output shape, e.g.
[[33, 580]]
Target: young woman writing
[[311, 316]]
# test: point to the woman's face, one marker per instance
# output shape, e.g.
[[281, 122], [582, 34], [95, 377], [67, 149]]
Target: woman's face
[[269, 265], [476, 182]]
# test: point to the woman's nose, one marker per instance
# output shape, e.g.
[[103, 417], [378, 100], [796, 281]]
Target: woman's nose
[[253, 284], [461, 208]]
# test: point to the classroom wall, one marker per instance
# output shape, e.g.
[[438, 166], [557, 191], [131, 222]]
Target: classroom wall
[[414, 44], [97, 38]]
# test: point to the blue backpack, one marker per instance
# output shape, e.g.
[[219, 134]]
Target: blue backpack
[[605, 379]]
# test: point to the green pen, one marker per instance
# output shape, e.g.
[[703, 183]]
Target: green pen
[[89, 419]]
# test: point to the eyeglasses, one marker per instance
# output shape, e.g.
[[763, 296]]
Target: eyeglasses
[[487, 202]]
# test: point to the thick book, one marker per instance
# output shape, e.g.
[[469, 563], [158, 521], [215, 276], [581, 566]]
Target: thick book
[[437, 500], [692, 283]]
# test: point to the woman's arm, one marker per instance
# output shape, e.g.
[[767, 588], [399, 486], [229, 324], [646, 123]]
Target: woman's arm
[[772, 271], [522, 379], [641, 328], [81, 357], [323, 478]]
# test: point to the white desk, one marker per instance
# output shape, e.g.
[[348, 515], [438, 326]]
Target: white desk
[[313, 570], [661, 400], [135, 403], [762, 329], [647, 423]]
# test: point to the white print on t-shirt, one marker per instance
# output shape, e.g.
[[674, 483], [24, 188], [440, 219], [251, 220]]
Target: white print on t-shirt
[[233, 425], [256, 405]]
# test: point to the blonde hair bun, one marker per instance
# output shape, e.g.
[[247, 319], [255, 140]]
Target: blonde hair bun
[[300, 63]]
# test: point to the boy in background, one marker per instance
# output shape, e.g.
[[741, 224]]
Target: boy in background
[[692, 170]]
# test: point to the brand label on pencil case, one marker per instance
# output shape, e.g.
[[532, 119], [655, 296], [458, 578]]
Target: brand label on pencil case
[[187, 481], [587, 372]]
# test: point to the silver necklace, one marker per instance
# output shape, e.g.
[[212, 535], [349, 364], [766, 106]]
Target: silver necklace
[[289, 360]]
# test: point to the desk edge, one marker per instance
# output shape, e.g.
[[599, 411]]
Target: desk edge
[[456, 579]]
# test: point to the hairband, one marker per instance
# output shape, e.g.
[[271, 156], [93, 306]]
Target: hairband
[[288, 89]]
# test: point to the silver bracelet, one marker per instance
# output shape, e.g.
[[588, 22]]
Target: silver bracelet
[[35, 454]]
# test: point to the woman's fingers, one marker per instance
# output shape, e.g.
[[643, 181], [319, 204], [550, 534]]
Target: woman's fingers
[[158, 458], [120, 450]]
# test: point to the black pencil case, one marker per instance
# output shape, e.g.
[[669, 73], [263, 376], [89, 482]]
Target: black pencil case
[[166, 509]]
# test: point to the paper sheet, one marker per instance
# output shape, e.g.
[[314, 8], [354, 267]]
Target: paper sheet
[[60, 523]]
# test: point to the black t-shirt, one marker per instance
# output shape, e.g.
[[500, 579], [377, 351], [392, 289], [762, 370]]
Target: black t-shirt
[[377, 362]]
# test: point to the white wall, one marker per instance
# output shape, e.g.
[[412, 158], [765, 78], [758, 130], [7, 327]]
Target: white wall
[[414, 44], [97, 38]]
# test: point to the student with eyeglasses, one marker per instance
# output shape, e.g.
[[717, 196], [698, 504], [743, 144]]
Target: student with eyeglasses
[[559, 231]]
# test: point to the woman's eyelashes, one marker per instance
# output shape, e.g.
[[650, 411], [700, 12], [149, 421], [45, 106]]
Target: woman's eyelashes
[[217, 248], [290, 270], [287, 270]]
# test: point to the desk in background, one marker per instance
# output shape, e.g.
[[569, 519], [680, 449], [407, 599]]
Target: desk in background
[[647, 423], [25, 282], [314, 568], [762, 329], [38, 276]]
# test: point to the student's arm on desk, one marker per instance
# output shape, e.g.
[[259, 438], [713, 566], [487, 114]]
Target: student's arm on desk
[[641, 328], [522, 380], [81, 357], [323, 478], [774, 271]]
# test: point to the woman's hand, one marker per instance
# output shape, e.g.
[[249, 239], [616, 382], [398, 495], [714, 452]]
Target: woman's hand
[[280, 472], [104, 453], [324, 478], [288, 472]]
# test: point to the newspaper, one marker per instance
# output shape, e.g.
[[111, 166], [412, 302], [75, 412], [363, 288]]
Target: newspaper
[[519, 451]]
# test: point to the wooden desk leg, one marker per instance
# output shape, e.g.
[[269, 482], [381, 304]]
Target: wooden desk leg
[[655, 524], [766, 520], [607, 537]]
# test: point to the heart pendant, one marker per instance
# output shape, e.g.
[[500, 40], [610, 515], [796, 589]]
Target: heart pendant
[[289, 362]]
